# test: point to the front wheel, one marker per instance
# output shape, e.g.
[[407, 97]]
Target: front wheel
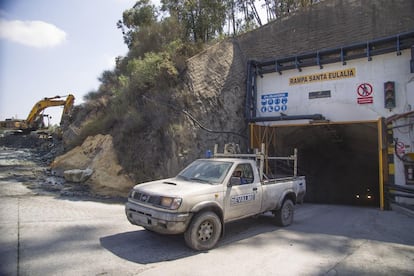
[[203, 232], [284, 216]]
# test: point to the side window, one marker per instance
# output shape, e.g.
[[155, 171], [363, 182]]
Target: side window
[[245, 173]]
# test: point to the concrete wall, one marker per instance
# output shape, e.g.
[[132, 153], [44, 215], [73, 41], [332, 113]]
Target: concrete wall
[[329, 24], [344, 102]]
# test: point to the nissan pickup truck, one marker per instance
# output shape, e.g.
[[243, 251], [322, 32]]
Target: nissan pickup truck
[[209, 193]]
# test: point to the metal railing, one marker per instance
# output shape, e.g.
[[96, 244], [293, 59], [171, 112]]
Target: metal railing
[[261, 156], [400, 191]]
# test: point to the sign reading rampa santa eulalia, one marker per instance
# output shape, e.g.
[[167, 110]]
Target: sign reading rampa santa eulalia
[[326, 76]]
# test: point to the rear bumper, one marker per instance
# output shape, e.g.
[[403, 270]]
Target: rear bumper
[[162, 222]]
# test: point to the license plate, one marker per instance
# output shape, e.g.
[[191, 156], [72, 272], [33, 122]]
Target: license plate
[[139, 219]]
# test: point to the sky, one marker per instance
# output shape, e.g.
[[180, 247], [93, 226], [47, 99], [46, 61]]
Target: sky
[[55, 47]]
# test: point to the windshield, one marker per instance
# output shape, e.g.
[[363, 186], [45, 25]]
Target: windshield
[[206, 171]]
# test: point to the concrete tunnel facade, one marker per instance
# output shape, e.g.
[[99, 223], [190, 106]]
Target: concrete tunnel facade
[[345, 110]]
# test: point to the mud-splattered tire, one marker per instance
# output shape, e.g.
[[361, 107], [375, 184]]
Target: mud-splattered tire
[[284, 216], [203, 232]]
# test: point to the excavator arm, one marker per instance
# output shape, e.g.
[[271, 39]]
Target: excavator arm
[[41, 105]]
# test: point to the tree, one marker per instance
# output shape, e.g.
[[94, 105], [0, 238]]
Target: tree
[[280, 8], [202, 20], [141, 15], [242, 16]]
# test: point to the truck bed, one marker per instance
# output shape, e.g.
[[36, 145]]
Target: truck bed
[[274, 188]]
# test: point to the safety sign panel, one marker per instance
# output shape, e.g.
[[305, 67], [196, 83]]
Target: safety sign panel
[[276, 102], [364, 92], [400, 148]]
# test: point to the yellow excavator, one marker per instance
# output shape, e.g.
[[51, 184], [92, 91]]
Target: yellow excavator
[[35, 119]]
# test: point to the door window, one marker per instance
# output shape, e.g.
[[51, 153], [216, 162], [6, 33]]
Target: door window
[[243, 174]]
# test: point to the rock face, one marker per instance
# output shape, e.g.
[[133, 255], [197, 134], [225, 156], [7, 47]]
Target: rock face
[[214, 87], [96, 156]]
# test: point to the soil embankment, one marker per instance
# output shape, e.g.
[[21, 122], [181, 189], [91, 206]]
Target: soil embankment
[[98, 155]]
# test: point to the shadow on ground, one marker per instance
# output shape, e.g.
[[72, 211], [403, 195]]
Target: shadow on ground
[[317, 228], [146, 247]]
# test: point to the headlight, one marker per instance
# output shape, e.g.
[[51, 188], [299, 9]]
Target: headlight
[[172, 203]]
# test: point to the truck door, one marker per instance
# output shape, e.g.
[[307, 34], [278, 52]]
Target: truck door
[[243, 196]]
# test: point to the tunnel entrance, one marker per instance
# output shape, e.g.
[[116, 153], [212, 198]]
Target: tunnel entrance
[[340, 161]]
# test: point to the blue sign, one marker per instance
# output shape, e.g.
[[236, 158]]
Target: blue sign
[[274, 102]]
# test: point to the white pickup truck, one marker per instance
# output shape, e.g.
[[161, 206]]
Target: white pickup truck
[[211, 192]]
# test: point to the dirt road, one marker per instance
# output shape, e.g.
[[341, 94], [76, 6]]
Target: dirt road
[[47, 232]]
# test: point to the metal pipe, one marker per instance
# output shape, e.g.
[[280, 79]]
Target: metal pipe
[[409, 124], [295, 168], [288, 118], [262, 157]]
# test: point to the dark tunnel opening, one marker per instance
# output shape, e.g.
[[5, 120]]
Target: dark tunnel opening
[[340, 161]]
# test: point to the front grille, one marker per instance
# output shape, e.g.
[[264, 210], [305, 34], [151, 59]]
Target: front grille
[[155, 200], [136, 196]]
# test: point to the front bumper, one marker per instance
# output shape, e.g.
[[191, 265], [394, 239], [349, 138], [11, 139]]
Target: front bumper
[[156, 220]]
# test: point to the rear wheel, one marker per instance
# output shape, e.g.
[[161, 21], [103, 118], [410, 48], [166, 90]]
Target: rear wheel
[[284, 216], [204, 231]]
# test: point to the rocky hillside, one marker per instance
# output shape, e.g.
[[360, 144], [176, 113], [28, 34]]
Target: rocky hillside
[[206, 110]]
